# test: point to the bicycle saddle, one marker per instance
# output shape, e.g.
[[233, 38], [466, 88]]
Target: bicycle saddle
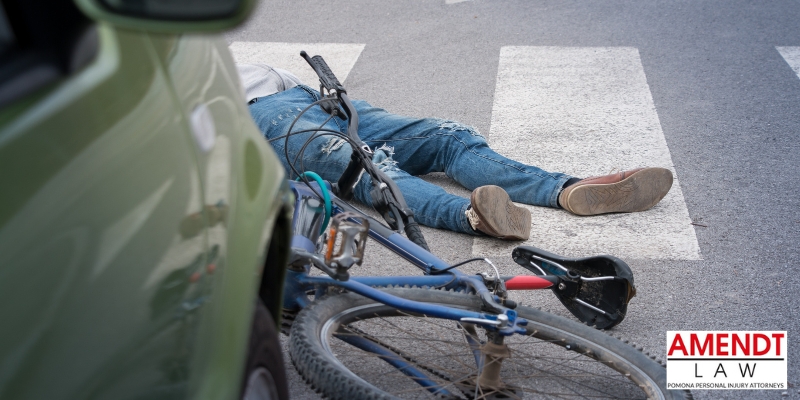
[[596, 289]]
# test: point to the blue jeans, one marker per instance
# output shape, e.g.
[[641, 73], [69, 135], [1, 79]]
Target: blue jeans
[[403, 147]]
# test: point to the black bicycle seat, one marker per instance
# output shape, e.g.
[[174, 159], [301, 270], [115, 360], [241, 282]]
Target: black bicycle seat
[[596, 289]]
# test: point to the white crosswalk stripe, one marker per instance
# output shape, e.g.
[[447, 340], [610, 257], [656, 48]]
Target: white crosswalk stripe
[[583, 111], [792, 57], [341, 57], [587, 112]]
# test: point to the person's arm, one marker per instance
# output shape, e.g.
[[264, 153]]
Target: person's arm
[[261, 80]]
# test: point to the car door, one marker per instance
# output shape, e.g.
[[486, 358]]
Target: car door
[[102, 250], [240, 180]]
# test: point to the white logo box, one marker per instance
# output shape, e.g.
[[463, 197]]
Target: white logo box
[[726, 360]]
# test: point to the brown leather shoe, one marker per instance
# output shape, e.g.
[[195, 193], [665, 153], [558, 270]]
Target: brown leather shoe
[[627, 191], [494, 214]]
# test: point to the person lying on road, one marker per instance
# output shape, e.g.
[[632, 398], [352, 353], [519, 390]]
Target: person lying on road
[[406, 147]]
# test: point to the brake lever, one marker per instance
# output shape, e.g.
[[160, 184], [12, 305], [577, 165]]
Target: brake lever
[[388, 201]]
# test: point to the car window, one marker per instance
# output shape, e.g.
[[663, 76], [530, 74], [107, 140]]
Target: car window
[[6, 36], [39, 45]]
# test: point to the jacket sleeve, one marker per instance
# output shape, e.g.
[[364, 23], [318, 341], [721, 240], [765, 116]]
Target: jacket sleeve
[[261, 80]]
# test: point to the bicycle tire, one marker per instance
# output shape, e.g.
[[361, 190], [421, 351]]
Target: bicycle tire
[[340, 371]]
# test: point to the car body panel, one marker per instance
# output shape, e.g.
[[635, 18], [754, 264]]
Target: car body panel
[[129, 255], [239, 174]]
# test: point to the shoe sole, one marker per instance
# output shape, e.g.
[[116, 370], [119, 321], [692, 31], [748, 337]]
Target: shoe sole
[[500, 215], [638, 192]]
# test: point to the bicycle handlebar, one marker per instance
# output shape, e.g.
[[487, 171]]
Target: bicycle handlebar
[[326, 76], [392, 204], [329, 82]]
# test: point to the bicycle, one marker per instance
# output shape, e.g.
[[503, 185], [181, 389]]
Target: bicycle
[[442, 334]]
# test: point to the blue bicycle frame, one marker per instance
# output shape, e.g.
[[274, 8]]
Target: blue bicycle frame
[[308, 216]]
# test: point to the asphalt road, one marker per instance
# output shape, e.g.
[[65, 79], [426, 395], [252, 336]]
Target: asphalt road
[[725, 98]]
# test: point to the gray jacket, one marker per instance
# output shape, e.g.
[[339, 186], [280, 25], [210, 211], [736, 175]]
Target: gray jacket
[[261, 80]]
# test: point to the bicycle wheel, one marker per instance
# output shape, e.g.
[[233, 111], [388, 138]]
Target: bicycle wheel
[[350, 347]]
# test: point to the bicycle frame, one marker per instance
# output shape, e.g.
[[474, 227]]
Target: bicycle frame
[[610, 278], [306, 225], [594, 289]]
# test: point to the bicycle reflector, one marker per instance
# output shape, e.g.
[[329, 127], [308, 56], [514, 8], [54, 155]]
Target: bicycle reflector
[[596, 289]]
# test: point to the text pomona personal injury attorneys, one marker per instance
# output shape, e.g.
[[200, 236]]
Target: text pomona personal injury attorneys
[[726, 359]]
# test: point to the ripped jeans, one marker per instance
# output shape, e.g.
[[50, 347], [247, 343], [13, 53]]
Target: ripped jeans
[[403, 148]]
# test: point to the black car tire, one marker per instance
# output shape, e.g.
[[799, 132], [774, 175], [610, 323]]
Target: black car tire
[[265, 374]]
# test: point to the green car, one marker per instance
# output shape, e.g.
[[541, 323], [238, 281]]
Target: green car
[[144, 220]]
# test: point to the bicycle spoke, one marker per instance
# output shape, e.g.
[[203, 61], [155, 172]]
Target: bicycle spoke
[[563, 379], [427, 360], [578, 357], [426, 340], [424, 364]]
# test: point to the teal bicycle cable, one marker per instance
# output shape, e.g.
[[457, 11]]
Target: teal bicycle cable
[[325, 197]]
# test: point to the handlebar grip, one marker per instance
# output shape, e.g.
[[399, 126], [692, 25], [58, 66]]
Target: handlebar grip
[[326, 76], [415, 235]]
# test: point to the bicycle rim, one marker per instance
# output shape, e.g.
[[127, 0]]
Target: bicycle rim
[[423, 357]]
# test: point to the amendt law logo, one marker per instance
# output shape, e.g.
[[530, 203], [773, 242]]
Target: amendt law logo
[[726, 360]]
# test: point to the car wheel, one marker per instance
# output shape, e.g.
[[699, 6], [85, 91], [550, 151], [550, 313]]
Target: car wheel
[[265, 376]]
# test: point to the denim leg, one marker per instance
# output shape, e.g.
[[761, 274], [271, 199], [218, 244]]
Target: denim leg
[[431, 204], [329, 155], [312, 150], [429, 145]]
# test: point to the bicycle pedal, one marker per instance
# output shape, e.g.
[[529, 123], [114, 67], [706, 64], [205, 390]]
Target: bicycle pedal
[[347, 239]]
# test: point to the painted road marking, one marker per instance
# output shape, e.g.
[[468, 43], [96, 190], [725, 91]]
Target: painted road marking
[[341, 57], [792, 57], [587, 111]]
